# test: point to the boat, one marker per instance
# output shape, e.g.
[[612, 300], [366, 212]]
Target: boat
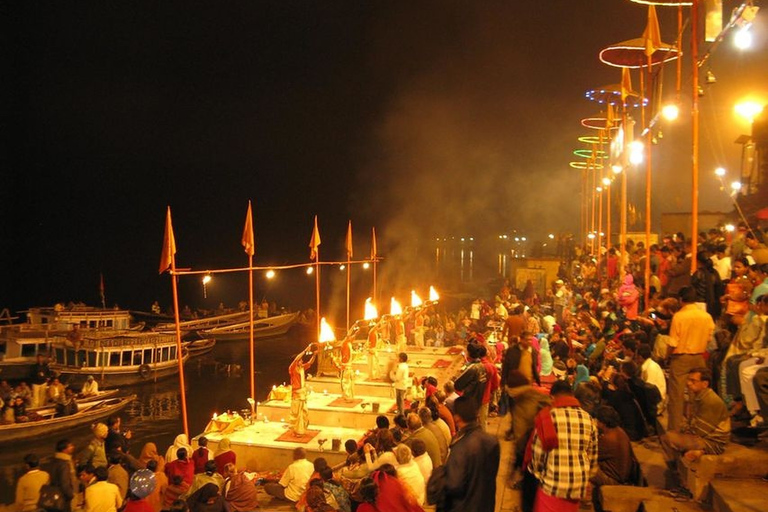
[[117, 359], [20, 343], [201, 324], [101, 395], [262, 328], [199, 347], [86, 415]]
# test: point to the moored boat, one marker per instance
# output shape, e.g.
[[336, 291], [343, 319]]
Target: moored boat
[[86, 415], [262, 328], [201, 324], [199, 347], [117, 359], [45, 410]]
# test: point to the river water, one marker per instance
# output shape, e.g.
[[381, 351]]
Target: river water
[[214, 384]]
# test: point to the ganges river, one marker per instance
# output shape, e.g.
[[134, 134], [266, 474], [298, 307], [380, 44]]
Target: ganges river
[[213, 385]]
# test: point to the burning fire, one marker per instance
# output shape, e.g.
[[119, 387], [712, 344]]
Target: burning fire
[[415, 299], [326, 332], [395, 308], [433, 296], [370, 310]]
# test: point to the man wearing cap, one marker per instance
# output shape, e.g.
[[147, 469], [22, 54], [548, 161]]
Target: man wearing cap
[[95, 452], [90, 388]]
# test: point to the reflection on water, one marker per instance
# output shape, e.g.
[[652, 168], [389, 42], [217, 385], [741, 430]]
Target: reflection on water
[[215, 382]]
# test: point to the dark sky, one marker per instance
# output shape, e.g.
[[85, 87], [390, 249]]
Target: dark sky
[[421, 118]]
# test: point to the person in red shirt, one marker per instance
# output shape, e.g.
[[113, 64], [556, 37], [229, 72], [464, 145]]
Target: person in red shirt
[[201, 455], [181, 466], [299, 414], [491, 386]]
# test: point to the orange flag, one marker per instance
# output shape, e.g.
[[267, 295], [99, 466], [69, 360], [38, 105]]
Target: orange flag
[[248, 242], [314, 242], [652, 34], [349, 240], [373, 244], [626, 84], [169, 245]]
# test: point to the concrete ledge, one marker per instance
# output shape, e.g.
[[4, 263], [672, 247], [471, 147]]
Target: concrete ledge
[[624, 498], [742, 495]]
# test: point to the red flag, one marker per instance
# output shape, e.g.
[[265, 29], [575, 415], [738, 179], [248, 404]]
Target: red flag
[[101, 290], [374, 252], [169, 244], [248, 242], [314, 242], [626, 84], [652, 34], [349, 240]]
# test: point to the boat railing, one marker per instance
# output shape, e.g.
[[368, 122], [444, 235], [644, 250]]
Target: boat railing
[[136, 342]]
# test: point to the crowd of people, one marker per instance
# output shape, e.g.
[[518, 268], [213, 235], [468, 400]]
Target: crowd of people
[[583, 369]]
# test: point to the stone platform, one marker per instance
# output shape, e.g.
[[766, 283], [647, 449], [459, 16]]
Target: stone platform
[[257, 445]]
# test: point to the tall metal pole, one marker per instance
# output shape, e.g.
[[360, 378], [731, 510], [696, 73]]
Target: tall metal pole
[[623, 211], [648, 144], [695, 134], [250, 319]]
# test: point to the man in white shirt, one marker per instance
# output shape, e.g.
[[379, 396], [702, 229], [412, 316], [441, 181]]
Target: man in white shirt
[[102, 496], [295, 478], [90, 388], [28, 486], [651, 372], [722, 262], [401, 379]]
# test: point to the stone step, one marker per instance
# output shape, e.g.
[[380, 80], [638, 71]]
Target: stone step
[[667, 504], [322, 413], [739, 495], [367, 388]]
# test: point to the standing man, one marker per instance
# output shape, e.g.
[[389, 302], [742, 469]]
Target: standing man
[[39, 378], [299, 415], [28, 486], [102, 496], [345, 367], [373, 354], [689, 334], [401, 380], [468, 481], [62, 471], [563, 452], [400, 339], [471, 383]]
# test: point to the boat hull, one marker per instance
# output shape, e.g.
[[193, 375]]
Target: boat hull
[[263, 328], [118, 376], [36, 430]]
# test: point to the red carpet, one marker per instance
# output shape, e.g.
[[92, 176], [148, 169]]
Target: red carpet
[[291, 437], [406, 405], [455, 350], [442, 363], [343, 402]]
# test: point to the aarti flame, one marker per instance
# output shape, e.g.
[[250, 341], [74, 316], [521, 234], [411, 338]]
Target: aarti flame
[[395, 308], [433, 295], [326, 332], [370, 310], [415, 299]]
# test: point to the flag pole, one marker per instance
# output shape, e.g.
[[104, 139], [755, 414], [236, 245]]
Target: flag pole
[[374, 255], [249, 246], [349, 266], [695, 132], [314, 245], [168, 259]]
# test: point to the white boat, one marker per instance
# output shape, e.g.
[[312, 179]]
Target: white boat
[[199, 347], [22, 342], [117, 359], [262, 328]]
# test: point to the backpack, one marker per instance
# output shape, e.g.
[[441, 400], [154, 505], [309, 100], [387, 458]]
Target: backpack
[[51, 499]]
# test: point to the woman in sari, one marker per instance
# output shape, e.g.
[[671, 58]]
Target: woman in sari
[[181, 441], [148, 453], [224, 455]]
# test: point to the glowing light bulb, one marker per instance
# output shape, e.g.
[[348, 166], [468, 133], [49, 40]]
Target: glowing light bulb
[[670, 112], [636, 152], [270, 274], [607, 182], [720, 171], [616, 168], [743, 39], [730, 228], [310, 270], [748, 109], [736, 186]]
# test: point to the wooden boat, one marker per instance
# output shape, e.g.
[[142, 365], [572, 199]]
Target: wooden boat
[[45, 410], [117, 359], [201, 324], [22, 342], [86, 415], [199, 347], [262, 328]]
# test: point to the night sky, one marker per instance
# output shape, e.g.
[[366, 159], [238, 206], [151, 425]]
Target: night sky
[[421, 118]]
